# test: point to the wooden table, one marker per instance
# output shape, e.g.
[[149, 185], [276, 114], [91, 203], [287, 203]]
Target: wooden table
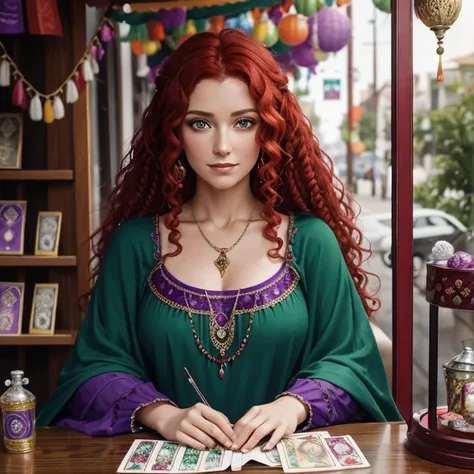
[[59, 450]]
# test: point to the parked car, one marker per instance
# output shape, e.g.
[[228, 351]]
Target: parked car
[[429, 226]]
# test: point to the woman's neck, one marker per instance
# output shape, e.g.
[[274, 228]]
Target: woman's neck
[[224, 207]]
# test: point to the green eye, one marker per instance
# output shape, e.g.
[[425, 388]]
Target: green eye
[[245, 123], [199, 124]]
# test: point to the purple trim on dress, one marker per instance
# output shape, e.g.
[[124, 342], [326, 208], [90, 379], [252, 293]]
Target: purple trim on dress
[[330, 404], [105, 405], [250, 299]]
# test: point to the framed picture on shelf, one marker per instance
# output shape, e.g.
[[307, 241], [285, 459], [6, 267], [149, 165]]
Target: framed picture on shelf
[[11, 308], [11, 141], [47, 233], [43, 309], [12, 227]]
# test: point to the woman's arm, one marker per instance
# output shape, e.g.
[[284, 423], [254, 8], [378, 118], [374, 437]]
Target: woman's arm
[[110, 403], [326, 403]]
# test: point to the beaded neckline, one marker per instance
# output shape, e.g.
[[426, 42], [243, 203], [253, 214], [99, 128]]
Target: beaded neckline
[[173, 292]]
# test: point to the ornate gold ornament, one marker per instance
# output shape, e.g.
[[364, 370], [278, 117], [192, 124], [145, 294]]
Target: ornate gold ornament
[[438, 16]]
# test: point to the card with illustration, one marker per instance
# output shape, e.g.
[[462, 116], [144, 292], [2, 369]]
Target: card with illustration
[[305, 452], [346, 452], [137, 456]]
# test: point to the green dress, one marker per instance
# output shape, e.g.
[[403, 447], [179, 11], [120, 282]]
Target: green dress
[[308, 322]]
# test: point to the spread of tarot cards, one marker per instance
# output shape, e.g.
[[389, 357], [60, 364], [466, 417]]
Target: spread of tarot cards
[[304, 452]]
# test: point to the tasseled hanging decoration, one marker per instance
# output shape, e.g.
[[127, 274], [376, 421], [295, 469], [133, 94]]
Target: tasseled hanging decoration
[[36, 111], [440, 74], [87, 71], [19, 97], [4, 73], [72, 94], [94, 65], [79, 80], [58, 107], [48, 111]]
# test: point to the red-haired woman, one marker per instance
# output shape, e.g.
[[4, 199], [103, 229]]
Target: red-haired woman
[[228, 250]]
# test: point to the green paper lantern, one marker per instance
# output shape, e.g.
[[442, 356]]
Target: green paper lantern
[[279, 47], [307, 7], [179, 31], [383, 5], [201, 25], [329, 3]]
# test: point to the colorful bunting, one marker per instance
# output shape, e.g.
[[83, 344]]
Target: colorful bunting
[[43, 17], [11, 17]]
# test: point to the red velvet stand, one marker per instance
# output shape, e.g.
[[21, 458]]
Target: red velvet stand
[[427, 437]]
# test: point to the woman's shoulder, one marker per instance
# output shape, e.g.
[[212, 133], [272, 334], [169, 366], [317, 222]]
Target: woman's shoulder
[[134, 233], [313, 229]]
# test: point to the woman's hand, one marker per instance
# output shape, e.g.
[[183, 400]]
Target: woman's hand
[[279, 418], [199, 426]]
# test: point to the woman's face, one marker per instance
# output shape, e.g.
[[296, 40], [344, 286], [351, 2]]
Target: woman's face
[[218, 132]]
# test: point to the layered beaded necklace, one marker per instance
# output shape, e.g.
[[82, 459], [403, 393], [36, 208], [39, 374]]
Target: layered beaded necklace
[[222, 332]]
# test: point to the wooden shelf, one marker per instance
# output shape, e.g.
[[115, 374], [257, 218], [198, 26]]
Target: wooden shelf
[[36, 175], [37, 261], [61, 338]]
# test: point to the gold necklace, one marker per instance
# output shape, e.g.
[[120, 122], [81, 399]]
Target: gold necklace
[[222, 261]]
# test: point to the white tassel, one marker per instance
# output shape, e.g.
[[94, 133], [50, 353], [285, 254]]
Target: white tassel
[[36, 109], [4, 73], [94, 65], [72, 95], [58, 107], [142, 66], [87, 71]]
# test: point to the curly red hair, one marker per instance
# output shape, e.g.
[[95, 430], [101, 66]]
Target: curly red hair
[[296, 175]]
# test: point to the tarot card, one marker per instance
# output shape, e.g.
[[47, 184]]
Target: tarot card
[[137, 456], [163, 457], [305, 452], [346, 452], [217, 459], [188, 459]]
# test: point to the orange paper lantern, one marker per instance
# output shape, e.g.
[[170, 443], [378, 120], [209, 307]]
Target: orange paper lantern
[[293, 29], [256, 14], [216, 24], [137, 47], [286, 5], [156, 31]]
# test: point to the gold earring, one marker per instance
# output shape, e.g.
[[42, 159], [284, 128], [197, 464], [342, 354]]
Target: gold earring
[[179, 173]]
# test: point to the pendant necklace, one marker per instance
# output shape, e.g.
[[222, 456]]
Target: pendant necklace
[[222, 261], [222, 332]]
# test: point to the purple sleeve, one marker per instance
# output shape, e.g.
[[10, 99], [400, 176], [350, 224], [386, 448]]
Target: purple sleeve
[[326, 403], [106, 405]]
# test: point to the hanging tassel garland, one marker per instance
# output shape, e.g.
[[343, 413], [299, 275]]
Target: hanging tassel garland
[[87, 71], [72, 94], [36, 111], [58, 107], [4, 73], [19, 97], [80, 82], [94, 65], [48, 112], [50, 106]]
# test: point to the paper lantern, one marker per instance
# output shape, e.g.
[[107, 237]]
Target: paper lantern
[[137, 47], [293, 29], [151, 47], [216, 24], [320, 56], [172, 18], [438, 16], [308, 7], [383, 5], [156, 31], [333, 30]]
